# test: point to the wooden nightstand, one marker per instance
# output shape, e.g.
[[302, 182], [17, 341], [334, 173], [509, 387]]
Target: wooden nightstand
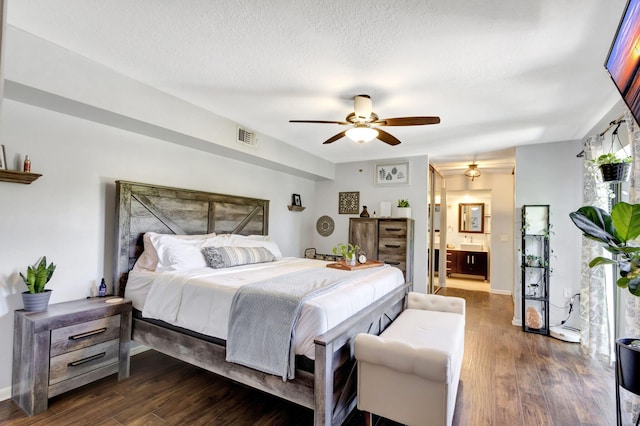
[[67, 346]]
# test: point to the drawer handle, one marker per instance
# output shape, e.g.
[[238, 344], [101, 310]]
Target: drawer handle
[[87, 334], [392, 245], [393, 229], [388, 262], [87, 359]]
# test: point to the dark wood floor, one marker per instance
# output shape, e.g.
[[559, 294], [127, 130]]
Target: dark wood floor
[[508, 378]]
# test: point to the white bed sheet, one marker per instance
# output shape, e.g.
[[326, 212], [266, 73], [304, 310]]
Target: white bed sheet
[[200, 299]]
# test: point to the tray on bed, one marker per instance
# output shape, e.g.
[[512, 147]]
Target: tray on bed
[[345, 267]]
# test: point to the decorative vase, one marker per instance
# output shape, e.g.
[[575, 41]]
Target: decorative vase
[[36, 302], [618, 172], [351, 261]]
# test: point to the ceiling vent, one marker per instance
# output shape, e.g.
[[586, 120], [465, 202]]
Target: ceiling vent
[[246, 137]]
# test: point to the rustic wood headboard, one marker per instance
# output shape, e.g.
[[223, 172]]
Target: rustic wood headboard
[[142, 208]]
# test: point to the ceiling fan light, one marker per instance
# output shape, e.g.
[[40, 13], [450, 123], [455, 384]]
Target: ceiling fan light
[[472, 172], [362, 134]]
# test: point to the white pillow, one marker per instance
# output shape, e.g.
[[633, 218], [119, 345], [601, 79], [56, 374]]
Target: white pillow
[[265, 241], [149, 258]]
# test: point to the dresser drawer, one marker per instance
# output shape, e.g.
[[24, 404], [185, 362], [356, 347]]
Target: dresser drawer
[[72, 364], [78, 336], [392, 246], [392, 229]]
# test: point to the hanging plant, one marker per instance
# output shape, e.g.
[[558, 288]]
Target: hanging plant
[[613, 168]]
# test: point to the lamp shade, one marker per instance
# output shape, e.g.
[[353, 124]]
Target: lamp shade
[[362, 134], [472, 172]]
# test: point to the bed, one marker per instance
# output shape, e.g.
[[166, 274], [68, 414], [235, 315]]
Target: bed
[[324, 377]]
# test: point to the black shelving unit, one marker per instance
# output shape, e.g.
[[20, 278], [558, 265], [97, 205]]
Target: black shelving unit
[[535, 269]]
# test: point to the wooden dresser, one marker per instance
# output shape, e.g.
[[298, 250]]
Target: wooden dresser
[[67, 346], [388, 240]]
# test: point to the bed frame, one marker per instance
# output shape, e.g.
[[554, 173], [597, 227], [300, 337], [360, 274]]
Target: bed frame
[[330, 391]]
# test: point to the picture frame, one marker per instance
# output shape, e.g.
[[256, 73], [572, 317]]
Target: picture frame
[[296, 200], [391, 174], [3, 158], [349, 202]]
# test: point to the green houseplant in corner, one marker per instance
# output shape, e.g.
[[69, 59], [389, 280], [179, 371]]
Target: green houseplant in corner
[[615, 232], [36, 298]]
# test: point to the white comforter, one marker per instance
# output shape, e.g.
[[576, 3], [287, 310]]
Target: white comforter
[[200, 299]]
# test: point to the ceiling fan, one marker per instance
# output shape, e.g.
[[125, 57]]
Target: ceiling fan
[[366, 124]]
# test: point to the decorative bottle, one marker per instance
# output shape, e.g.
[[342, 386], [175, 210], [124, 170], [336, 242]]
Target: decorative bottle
[[27, 164], [364, 213], [102, 290]]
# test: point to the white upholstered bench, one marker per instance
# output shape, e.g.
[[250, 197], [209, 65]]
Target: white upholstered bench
[[410, 372]]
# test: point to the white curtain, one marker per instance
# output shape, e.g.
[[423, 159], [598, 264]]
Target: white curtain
[[595, 297], [630, 305]]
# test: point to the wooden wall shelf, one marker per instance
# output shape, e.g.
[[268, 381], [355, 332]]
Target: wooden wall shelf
[[17, 177], [296, 208]]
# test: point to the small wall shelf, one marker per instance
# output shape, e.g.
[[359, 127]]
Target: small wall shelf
[[296, 208], [17, 177]]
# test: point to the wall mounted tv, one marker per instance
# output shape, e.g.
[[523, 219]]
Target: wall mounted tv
[[623, 62]]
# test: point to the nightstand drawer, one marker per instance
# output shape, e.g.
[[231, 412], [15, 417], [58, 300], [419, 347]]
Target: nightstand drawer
[[78, 336], [78, 362]]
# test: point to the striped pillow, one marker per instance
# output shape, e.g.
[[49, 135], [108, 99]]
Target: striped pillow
[[224, 257]]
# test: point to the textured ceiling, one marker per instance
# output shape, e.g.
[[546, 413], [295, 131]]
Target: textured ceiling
[[499, 73]]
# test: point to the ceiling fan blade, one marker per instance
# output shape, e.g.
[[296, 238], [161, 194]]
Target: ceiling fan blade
[[344, 123], [407, 121], [387, 137], [335, 138]]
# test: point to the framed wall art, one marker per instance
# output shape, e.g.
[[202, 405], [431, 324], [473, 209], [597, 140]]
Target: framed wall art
[[349, 203], [396, 173]]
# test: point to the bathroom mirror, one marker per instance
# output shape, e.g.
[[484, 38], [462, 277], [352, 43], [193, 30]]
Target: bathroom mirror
[[471, 217]]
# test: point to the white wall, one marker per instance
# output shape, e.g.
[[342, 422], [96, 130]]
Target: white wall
[[359, 177], [552, 174], [501, 239], [68, 213]]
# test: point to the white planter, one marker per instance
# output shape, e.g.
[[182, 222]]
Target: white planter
[[402, 212]]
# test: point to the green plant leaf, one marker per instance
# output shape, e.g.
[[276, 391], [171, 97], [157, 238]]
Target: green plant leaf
[[601, 261], [596, 224], [626, 220]]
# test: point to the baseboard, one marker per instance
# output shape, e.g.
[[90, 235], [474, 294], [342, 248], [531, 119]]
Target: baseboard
[[136, 349], [5, 393], [503, 292]]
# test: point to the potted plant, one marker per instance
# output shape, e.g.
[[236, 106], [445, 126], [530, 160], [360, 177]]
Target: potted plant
[[36, 298], [403, 209], [347, 252], [614, 168], [614, 232]]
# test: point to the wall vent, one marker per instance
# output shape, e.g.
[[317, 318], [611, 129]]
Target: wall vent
[[246, 137]]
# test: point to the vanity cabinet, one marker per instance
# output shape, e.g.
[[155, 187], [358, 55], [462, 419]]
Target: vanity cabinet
[[388, 240], [472, 263], [466, 262]]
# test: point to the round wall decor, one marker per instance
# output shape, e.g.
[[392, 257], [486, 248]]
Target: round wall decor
[[325, 226]]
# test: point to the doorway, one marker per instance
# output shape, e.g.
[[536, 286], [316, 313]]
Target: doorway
[[467, 239]]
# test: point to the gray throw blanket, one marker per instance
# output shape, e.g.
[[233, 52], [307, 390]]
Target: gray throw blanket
[[264, 315]]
